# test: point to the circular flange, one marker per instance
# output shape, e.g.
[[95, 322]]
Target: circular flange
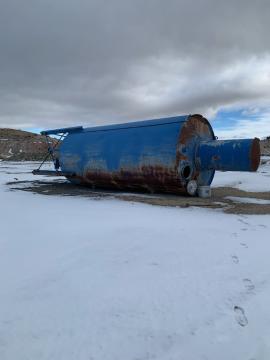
[[192, 187]]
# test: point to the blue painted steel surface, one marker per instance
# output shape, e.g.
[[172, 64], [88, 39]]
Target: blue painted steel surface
[[226, 155], [153, 155], [147, 155], [126, 146]]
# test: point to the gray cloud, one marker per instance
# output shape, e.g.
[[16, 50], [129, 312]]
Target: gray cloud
[[65, 62]]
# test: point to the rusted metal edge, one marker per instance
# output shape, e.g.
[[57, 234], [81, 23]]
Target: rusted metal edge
[[255, 154], [150, 179]]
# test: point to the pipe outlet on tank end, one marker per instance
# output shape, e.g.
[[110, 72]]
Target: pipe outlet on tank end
[[229, 155], [186, 170]]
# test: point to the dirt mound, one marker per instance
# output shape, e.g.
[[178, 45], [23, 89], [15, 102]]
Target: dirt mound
[[18, 145]]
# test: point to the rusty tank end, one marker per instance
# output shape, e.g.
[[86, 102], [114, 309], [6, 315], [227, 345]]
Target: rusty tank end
[[172, 155]]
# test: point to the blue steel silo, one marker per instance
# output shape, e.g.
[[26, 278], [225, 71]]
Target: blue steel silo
[[172, 155]]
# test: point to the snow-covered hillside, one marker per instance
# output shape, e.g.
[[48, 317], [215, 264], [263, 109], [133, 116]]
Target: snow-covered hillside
[[113, 280]]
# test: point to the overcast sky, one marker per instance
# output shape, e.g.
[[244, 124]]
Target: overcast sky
[[66, 62]]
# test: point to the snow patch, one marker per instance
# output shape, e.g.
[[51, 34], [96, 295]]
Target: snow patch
[[107, 279], [247, 200], [248, 181]]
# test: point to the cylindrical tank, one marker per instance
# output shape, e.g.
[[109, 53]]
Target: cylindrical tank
[[170, 155]]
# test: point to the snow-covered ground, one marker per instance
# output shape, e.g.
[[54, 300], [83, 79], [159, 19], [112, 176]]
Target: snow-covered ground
[[248, 181], [106, 279]]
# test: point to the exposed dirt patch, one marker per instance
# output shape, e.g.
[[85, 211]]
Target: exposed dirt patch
[[217, 201]]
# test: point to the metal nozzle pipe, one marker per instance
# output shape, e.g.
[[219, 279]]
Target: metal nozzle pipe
[[229, 155]]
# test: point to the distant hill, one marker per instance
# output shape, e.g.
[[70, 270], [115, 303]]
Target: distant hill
[[265, 146], [18, 145]]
